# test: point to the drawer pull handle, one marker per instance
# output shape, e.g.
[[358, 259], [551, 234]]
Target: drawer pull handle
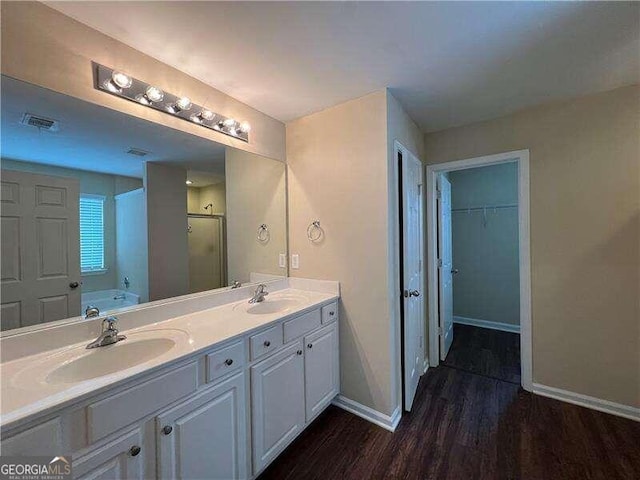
[[228, 362], [310, 345], [135, 450], [167, 429], [267, 343], [331, 314], [299, 352]]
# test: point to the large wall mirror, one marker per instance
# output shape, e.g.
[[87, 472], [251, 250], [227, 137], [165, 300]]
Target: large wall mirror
[[108, 210]]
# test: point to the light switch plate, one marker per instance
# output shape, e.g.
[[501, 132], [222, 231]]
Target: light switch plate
[[282, 260], [295, 261]]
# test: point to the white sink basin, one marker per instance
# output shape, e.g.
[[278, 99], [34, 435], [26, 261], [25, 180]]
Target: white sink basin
[[110, 359], [79, 364], [276, 304]]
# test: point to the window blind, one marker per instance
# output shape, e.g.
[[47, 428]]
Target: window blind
[[91, 233]]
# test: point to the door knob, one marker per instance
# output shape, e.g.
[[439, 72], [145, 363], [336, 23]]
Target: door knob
[[74, 285], [411, 293], [454, 271]]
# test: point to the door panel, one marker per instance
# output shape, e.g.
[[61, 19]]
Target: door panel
[[277, 406], [40, 248], [321, 375], [412, 238], [445, 274], [207, 436]]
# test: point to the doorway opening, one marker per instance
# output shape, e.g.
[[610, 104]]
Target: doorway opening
[[478, 265]]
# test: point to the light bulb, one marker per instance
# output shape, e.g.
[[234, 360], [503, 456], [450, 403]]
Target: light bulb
[[229, 122], [245, 127], [207, 115], [121, 80], [184, 103], [154, 94]]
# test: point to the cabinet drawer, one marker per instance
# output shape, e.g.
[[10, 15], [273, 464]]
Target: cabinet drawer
[[111, 414], [43, 439], [299, 326], [225, 360], [266, 342], [329, 313]]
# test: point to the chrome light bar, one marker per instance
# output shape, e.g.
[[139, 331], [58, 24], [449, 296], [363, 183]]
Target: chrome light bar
[[125, 86]]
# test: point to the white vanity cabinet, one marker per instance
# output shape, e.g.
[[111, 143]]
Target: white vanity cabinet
[[206, 436], [224, 412]]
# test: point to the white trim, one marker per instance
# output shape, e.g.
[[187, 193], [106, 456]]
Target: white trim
[[475, 322], [385, 421], [521, 157], [618, 409], [425, 365]]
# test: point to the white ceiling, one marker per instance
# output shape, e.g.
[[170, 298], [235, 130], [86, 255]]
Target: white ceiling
[[449, 63], [94, 138]]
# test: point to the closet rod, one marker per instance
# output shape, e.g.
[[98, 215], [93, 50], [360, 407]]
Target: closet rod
[[487, 207]]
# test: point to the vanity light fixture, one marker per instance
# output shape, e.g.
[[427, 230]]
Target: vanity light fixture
[[125, 86], [188, 182]]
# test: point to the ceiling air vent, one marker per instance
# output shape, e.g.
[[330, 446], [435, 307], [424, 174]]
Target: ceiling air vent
[[41, 123], [137, 152]]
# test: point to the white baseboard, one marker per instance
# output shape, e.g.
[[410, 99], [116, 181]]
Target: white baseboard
[[606, 406], [385, 421], [474, 322]]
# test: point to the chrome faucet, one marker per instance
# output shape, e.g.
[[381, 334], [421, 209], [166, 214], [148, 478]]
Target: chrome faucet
[[91, 311], [109, 334], [259, 294], [235, 284]]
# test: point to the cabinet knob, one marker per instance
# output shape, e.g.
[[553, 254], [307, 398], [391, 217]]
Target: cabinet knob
[[167, 429], [267, 343], [331, 314], [135, 450], [309, 345], [228, 362], [74, 285], [299, 352]]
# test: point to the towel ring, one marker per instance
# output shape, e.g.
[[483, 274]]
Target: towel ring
[[315, 231], [263, 233]]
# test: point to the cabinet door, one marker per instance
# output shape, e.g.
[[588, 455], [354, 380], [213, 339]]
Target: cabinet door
[[322, 375], [277, 407], [121, 458], [206, 436]]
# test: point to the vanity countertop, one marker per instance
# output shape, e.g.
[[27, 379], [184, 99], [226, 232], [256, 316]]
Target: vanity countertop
[[27, 389]]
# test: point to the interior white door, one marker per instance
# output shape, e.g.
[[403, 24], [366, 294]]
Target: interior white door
[[445, 266], [40, 249], [412, 245], [205, 437]]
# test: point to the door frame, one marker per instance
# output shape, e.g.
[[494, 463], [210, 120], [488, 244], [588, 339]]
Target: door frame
[[521, 158]]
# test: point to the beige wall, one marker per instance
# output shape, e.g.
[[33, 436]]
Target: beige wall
[[339, 173], [44, 47], [256, 194], [166, 204], [585, 234]]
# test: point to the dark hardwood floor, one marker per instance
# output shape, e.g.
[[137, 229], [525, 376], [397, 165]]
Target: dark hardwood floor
[[491, 353], [467, 426]]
